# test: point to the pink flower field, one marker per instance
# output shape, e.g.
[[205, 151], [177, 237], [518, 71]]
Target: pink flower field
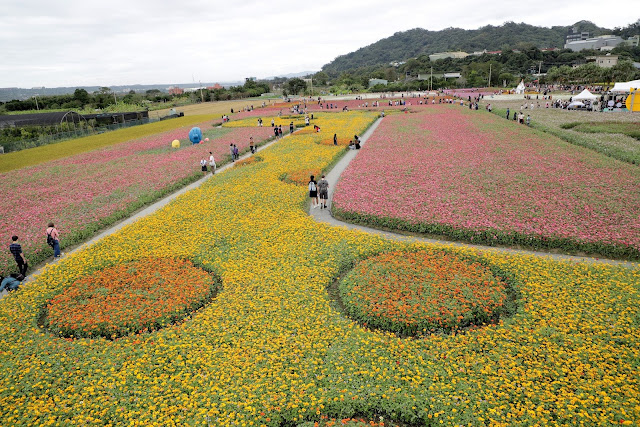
[[85, 192], [471, 176]]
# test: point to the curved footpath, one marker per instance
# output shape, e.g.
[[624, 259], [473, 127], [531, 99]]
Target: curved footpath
[[325, 216], [140, 214]]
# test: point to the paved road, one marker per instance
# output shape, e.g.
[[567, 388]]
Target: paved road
[[324, 216], [136, 216]]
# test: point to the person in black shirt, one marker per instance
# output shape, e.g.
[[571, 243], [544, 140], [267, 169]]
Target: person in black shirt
[[16, 251]]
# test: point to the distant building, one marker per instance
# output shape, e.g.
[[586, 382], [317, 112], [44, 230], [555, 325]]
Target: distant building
[[575, 36], [373, 82], [596, 43], [252, 79], [452, 75], [488, 52], [396, 63], [214, 87], [174, 90], [605, 61], [631, 41], [443, 55]]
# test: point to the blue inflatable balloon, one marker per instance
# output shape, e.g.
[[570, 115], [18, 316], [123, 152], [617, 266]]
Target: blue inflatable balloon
[[195, 135]]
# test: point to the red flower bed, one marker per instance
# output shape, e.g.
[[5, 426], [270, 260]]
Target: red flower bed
[[414, 292], [143, 295]]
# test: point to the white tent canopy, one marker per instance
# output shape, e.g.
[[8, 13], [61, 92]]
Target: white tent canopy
[[585, 95], [625, 87], [520, 88]]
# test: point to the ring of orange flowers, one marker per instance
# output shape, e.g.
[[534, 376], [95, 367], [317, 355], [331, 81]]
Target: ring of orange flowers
[[134, 297], [423, 291]]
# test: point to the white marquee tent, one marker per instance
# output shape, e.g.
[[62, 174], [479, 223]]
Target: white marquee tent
[[625, 87], [585, 95]]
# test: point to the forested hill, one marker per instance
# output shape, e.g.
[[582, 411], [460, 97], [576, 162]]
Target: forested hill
[[410, 44]]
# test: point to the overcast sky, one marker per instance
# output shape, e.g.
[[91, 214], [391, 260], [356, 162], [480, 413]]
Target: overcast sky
[[122, 42]]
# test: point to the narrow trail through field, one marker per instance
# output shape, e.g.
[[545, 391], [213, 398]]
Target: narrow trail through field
[[325, 216], [37, 269]]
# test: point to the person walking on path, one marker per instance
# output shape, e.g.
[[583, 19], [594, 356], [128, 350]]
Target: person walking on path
[[507, 113], [203, 166], [236, 153], [16, 251], [53, 239], [291, 127], [212, 163], [335, 139], [275, 132], [233, 157], [280, 130], [251, 145], [313, 192], [323, 189]]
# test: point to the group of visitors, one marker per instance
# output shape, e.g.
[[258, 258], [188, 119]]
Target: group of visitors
[[13, 281], [277, 130], [211, 162], [320, 189]]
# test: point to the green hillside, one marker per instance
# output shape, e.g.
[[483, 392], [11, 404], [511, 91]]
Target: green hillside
[[412, 43]]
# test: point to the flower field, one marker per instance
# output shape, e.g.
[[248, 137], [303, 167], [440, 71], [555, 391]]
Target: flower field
[[271, 349], [422, 292], [141, 296], [38, 155], [476, 177], [85, 192]]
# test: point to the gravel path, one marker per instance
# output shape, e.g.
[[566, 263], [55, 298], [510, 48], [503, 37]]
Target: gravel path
[[324, 216]]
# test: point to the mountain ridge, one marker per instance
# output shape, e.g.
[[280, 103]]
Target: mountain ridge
[[418, 41]]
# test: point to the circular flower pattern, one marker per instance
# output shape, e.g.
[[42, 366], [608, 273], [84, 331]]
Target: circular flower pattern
[[140, 296], [417, 292]]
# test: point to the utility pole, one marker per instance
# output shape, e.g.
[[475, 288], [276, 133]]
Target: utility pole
[[489, 75], [539, 68], [201, 96], [114, 98], [36, 98], [431, 81]]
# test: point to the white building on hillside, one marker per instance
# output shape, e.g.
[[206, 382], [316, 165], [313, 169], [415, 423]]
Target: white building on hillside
[[596, 43], [443, 55]]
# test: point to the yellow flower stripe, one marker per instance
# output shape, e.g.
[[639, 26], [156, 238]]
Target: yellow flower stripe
[[271, 348], [45, 153]]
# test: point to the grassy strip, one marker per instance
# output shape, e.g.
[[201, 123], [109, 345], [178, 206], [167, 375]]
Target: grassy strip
[[629, 129], [45, 153], [582, 141], [492, 237]]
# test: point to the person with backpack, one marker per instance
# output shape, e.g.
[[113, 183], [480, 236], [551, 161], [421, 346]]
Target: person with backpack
[[313, 192], [53, 240], [323, 188]]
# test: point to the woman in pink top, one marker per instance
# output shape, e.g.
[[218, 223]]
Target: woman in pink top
[[53, 239]]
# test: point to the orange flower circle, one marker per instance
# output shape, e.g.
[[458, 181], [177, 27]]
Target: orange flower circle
[[415, 292], [139, 296]]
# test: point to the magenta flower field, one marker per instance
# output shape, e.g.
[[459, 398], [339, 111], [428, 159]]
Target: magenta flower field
[[85, 192], [471, 176]]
